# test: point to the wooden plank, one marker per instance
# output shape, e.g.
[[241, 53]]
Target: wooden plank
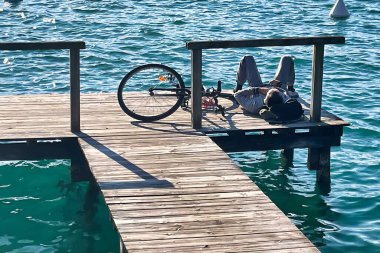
[[37, 151], [281, 239], [195, 45], [273, 142], [257, 195], [293, 247], [42, 45]]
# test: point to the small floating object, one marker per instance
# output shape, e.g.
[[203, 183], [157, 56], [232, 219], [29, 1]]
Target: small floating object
[[339, 10], [6, 61], [49, 20]]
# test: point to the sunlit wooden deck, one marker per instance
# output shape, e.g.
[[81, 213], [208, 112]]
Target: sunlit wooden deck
[[169, 188]]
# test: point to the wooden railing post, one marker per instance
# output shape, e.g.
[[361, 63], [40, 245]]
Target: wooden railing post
[[196, 88], [75, 89], [74, 47], [316, 83]]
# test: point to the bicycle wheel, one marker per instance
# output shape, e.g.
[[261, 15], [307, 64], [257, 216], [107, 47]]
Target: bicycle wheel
[[151, 92]]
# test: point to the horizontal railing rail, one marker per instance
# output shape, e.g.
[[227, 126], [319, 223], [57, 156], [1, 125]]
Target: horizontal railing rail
[[74, 47], [318, 44], [300, 41], [41, 45]]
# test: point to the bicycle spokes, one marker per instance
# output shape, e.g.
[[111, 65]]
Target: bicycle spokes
[[150, 92]]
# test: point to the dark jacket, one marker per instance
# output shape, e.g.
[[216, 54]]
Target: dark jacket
[[279, 113], [290, 110]]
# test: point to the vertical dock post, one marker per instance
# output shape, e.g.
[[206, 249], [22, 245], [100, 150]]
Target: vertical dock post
[[196, 88], [318, 158], [316, 83], [287, 153], [75, 89], [323, 173]]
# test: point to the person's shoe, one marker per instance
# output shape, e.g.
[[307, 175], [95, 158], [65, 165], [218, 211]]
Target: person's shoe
[[267, 115], [237, 88], [292, 92]]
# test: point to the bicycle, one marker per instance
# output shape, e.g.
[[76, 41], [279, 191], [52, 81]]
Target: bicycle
[[152, 92]]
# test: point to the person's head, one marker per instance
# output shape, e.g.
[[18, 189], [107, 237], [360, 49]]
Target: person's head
[[273, 97]]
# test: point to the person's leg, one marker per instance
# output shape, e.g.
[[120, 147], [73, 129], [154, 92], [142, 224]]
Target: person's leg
[[286, 75], [248, 71], [285, 72], [249, 101]]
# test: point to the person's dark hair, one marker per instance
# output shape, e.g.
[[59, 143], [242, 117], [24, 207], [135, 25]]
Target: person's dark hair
[[273, 97]]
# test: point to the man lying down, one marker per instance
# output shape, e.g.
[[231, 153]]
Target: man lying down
[[275, 101]]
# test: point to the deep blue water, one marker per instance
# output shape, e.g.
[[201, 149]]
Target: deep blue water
[[120, 35]]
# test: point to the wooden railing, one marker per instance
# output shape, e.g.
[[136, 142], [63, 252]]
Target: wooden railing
[[74, 47], [318, 44]]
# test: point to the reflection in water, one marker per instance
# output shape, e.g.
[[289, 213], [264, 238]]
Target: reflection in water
[[40, 196], [290, 187], [91, 219]]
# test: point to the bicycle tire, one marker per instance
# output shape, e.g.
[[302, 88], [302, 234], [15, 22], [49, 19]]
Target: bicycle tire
[[135, 96]]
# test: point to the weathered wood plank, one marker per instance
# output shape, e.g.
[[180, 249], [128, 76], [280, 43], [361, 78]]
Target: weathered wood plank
[[241, 247], [195, 45], [48, 45], [279, 238]]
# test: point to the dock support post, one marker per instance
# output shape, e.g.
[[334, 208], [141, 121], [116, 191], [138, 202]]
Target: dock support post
[[318, 158], [313, 159], [288, 154], [316, 83], [196, 88], [75, 90], [323, 172]]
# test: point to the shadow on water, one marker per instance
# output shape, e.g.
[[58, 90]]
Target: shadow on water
[[91, 218], [293, 193]]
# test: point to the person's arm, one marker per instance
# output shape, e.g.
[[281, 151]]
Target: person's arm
[[263, 90], [252, 91], [251, 99]]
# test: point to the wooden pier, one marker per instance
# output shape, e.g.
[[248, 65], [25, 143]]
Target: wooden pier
[[169, 187]]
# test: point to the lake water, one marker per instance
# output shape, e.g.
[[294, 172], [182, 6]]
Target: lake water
[[42, 211], [120, 35]]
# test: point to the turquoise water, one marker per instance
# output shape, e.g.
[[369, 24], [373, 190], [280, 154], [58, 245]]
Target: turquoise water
[[42, 211], [123, 34]]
